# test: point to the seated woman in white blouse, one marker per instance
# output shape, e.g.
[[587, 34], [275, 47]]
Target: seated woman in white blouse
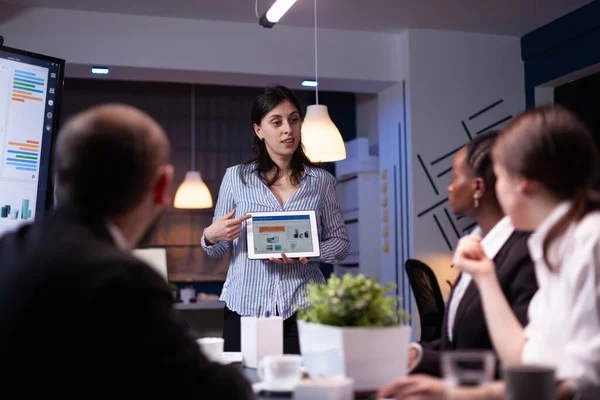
[[545, 163]]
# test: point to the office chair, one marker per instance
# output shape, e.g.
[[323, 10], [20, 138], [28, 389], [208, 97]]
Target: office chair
[[428, 297]]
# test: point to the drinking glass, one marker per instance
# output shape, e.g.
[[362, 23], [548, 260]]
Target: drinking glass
[[467, 368]]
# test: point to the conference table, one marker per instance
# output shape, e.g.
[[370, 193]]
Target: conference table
[[252, 376]]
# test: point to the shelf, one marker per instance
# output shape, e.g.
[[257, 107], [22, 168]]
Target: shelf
[[358, 192]]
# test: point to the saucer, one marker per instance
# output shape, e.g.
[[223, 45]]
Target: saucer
[[272, 388], [231, 357]]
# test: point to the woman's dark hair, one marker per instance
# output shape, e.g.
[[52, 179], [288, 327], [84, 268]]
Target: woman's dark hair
[[479, 159], [550, 145], [267, 100]]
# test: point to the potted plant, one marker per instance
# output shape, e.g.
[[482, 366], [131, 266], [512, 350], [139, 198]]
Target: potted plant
[[354, 329]]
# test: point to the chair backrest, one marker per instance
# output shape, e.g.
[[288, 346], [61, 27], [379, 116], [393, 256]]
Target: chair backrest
[[428, 297]]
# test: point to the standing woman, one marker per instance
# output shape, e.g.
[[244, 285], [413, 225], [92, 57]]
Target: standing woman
[[279, 178]]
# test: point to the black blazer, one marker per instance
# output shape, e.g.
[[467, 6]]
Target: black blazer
[[78, 316], [516, 276]]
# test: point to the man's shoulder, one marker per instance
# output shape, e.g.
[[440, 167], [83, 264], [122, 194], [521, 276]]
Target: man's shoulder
[[57, 246]]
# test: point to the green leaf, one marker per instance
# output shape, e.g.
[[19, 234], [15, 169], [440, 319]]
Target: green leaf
[[352, 301]]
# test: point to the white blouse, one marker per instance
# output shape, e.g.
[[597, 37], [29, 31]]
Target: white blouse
[[564, 314]]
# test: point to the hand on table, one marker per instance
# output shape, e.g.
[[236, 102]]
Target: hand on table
[[414, 387], [413, 357], [425, 387]]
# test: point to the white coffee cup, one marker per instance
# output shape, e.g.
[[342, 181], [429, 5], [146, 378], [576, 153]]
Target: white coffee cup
[[212, 347], [280, 372], [187, 294]]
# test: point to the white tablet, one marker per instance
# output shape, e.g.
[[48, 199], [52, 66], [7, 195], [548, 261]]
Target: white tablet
[[291, 232]]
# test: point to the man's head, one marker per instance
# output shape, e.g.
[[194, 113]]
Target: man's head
[[113, 161]]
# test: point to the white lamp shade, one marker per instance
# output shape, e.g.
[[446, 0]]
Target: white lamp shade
[[321, 138], [193, 192]]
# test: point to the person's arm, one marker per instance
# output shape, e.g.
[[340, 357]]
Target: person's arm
[[425, 387], [424, 358], [578, 362], [133, 308], [334, 241], [225, 204], [430, 362], [432, 345], [500, 319]]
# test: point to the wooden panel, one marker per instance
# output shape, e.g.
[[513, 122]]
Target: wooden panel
[[193, 264]]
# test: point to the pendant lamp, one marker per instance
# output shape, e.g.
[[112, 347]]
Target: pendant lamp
[[321, 138], [193, 192]]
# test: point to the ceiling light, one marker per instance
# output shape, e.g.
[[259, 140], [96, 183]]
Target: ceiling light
[[275, 12], [100, 70], [193, 192], [321, 139], [309, 83]]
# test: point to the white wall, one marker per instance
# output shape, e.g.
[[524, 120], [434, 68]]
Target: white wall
[[445, 79], [179, 45], [367, 117], [453, 76], [394, 142]]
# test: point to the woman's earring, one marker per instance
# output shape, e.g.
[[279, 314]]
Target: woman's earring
[[475, 201]]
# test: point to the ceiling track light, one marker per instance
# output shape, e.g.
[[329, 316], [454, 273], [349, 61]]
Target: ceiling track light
[[274, 13]]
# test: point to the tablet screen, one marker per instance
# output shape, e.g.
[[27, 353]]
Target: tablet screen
[[282, 233]]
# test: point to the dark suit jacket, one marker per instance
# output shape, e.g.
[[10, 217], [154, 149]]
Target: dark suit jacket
[[516, 276], [80, 316]]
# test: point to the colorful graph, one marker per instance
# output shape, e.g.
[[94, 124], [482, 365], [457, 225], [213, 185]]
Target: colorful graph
[[27, 86], [23, 156], [13, 213]]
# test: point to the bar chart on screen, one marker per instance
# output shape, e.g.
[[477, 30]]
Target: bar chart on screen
[[21, 142], [27, 86], [17, 206], [4, 99], [30, 93], [22, 159]]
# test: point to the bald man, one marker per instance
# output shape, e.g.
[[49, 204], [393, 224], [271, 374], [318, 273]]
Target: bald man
[[78, 313]]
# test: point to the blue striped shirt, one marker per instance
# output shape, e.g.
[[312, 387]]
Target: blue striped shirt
[[258, 284]]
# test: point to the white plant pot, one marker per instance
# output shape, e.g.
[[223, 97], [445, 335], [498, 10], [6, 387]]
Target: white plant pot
[[372, 357]]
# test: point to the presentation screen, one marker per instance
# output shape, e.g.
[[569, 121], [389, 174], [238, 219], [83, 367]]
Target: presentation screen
[[30, 94]]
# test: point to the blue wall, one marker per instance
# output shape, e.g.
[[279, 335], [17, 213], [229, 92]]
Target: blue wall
[[561, 47]]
